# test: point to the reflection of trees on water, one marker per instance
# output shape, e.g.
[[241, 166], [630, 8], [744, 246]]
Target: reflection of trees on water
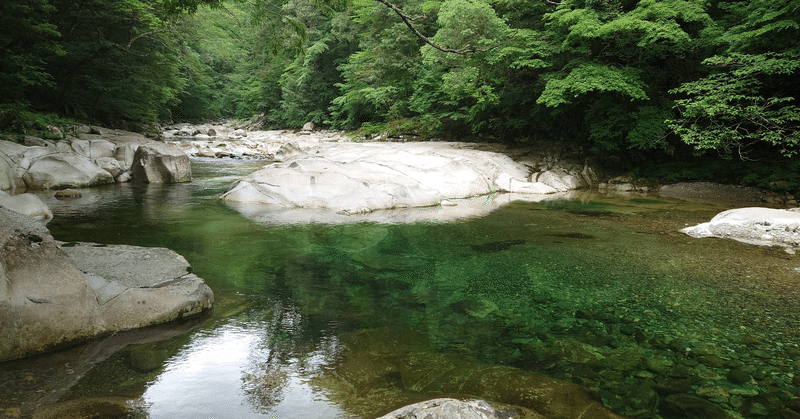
[[292, 346]]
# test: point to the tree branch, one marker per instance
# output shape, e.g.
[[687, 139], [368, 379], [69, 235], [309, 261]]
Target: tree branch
[[408, 19], [127, 47]]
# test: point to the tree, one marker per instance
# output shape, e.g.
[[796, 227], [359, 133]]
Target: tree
[[750, 99]]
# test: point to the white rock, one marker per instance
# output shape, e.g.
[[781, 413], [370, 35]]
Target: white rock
[[355, 178], [110, 165], [27, 204], [749, 225]]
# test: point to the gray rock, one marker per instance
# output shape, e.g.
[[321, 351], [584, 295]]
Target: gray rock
[[309, 126], [124, 177], [161, 163], [55, 131], [60, 170], [31, 141], [289, 151], [55, 296], [110, 165], [27, 204], [452, 409], [124, 154], [94, 149], [10, 173], [44, 300]]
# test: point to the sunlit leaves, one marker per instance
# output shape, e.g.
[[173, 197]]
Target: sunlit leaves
[[731, 111], [593, 77]]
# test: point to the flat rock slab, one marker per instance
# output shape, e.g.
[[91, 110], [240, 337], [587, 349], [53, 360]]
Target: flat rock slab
[[140, 286], [754, 225], [353, 178], [132, 266]]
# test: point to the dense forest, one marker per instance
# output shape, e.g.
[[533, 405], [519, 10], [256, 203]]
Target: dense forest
[[678, 78]]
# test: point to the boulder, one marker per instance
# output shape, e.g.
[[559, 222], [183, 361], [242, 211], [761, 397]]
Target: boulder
[[124, 154], [94, 149], [309, 126], [110, 165], [161, 163], [124, 177], [456, 409], [353, 178], [753, 225], [10, 175], [59, 170], [54, 296], [45, 302], [27, 204]]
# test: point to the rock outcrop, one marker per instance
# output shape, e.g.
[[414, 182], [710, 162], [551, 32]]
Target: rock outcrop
[[755, 225], [53, 296], [350, 178], [98, 157]]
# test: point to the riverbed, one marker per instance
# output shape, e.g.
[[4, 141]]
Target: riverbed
[[599, 290]]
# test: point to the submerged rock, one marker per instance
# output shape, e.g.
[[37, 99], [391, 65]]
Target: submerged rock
[[51, 297], [454, 409]]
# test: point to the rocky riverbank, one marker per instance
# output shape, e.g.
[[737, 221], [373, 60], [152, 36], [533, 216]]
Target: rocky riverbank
[[57, 294]]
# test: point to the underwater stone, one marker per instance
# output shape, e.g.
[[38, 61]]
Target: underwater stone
[[682, 406], [738, 376]]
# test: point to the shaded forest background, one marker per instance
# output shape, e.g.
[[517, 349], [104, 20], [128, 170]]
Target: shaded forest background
[[659, 85]]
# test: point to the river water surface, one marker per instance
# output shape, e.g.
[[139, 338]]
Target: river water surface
[[339, 321]]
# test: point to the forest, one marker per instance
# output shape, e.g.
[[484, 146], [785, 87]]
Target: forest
[[656, 84]]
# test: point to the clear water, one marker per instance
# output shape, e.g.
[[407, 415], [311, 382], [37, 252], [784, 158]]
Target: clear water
[[353, 320]]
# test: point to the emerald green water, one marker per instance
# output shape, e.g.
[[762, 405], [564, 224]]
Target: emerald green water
[[603, 292]]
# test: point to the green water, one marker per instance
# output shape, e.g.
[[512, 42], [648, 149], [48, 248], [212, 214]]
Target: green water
[[314, 321]]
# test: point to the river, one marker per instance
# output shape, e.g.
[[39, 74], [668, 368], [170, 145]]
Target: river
[[314, 320]]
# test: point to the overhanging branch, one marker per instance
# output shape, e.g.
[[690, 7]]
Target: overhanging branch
[[408, 19]]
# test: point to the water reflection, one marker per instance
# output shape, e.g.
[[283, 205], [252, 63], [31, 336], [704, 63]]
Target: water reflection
[[246, 369]]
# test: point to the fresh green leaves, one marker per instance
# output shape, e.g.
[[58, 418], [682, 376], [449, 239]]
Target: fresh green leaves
[[734, 110], [593, 77]]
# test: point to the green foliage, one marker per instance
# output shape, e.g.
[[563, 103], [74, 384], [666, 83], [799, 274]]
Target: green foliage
[[733, 110], [26, 37], [591, 77]]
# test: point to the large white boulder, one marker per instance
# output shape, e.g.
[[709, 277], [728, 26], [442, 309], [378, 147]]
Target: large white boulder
[[354, 178], [27, 204], [60, 170], [161, 163], [754, 225], [52, 296]]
